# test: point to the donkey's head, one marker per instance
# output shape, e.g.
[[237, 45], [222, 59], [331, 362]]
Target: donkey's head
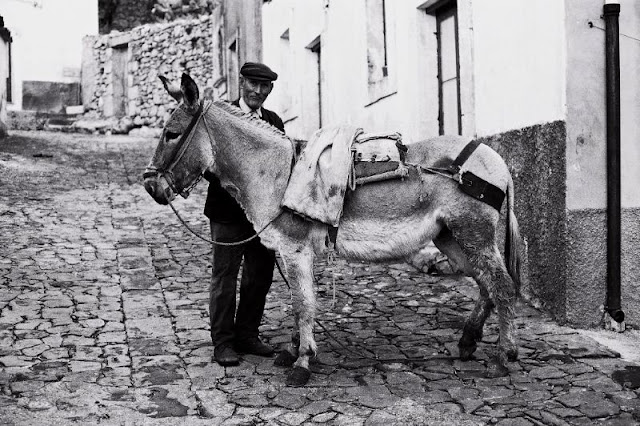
[[184, 151]]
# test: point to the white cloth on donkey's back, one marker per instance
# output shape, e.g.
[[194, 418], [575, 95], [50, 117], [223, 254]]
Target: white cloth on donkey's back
[[318, 181]]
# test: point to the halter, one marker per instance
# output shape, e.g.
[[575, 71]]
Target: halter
[[183, 145]]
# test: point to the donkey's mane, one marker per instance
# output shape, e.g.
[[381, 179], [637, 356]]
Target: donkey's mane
[[256, 121]]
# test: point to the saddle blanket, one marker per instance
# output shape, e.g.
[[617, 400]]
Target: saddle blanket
[[319, 179]]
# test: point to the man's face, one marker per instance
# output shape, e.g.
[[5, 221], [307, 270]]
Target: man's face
[[255, 92]]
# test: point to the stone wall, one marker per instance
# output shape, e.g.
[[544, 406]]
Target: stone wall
[[536, 158], [149, 51]]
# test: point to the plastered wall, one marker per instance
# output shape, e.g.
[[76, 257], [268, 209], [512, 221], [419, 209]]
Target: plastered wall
[[518, 57], [586, 160], [410, 104], [47, 39]]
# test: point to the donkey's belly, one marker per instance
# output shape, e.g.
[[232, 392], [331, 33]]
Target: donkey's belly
[[388, 220]]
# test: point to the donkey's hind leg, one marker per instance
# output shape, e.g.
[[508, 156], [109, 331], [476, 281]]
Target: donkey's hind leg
[[478, 243], [492, 273], [474, 325]]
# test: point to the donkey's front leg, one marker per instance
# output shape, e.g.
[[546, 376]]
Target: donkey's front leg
[[299, 268], [289, 355]]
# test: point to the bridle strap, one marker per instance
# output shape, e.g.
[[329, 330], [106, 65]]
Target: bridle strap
[[187, 135]]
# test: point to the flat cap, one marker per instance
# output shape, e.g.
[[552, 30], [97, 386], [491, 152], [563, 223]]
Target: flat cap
[[258, 71]]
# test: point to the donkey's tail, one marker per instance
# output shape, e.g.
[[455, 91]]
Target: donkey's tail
[[512, 240]]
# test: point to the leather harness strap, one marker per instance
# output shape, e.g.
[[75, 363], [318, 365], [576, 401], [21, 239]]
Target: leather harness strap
[[482, 190], [464, 156], [473, 185], [183, 142]]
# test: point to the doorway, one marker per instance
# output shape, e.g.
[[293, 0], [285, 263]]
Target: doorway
[[120, 60]]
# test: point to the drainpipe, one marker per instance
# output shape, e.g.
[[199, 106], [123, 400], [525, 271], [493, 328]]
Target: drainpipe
[[612, 52]]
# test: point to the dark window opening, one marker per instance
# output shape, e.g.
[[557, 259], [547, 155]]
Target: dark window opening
[[449, 109], [9, 82], [315, 48], [5, 35], [385, 70]]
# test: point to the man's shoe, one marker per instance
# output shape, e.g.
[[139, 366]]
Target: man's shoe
[[253, 345], [225, 355]]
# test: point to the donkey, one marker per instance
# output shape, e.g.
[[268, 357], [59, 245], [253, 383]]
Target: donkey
[[384, 221]]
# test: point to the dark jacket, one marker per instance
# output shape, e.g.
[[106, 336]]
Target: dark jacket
[[220, 206]]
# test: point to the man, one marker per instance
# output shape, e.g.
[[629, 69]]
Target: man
[[228, 224]]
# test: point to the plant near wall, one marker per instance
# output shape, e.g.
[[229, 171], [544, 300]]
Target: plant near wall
[[106, 13]]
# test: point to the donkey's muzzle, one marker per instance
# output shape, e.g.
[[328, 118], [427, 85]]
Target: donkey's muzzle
[[158, 188]]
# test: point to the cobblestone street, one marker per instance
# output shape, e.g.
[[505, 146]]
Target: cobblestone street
[[104, 320]]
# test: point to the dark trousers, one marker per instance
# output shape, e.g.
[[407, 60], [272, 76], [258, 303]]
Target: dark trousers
[[257, 273]]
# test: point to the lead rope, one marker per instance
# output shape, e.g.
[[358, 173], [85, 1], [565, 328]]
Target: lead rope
[[220, 243]]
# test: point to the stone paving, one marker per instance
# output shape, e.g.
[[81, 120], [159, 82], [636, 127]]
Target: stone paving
[[103, 320]]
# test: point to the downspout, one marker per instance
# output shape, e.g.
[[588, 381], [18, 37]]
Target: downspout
[[612, 53]]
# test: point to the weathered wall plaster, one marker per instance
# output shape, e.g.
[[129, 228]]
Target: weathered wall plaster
[[535, 156]]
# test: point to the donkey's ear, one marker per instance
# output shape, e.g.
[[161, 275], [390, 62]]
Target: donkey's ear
[[173, 91], [190, 92]]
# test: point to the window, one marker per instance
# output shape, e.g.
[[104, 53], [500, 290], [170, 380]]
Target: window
[[9, 82], [449, 114], [377, 54], [379, 43], [5, 35]]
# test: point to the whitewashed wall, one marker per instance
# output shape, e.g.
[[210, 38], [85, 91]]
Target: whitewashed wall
[[519, 63], [410, 108], [511, 74], [47, 39], [586, 117], [295, 93], [630, 101]]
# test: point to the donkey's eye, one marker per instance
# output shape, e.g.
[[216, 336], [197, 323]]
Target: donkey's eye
[[171, 135]]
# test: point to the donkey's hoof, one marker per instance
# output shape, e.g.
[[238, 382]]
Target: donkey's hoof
[[299, 376], [466, 352], [284, 359], [496, 369]]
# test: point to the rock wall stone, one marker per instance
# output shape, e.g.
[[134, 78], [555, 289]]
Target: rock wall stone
[[151, 50]]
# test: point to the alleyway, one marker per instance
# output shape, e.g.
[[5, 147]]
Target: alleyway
[[104, 320]]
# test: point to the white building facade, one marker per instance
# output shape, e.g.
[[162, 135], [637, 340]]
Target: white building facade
[[527, 77]]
